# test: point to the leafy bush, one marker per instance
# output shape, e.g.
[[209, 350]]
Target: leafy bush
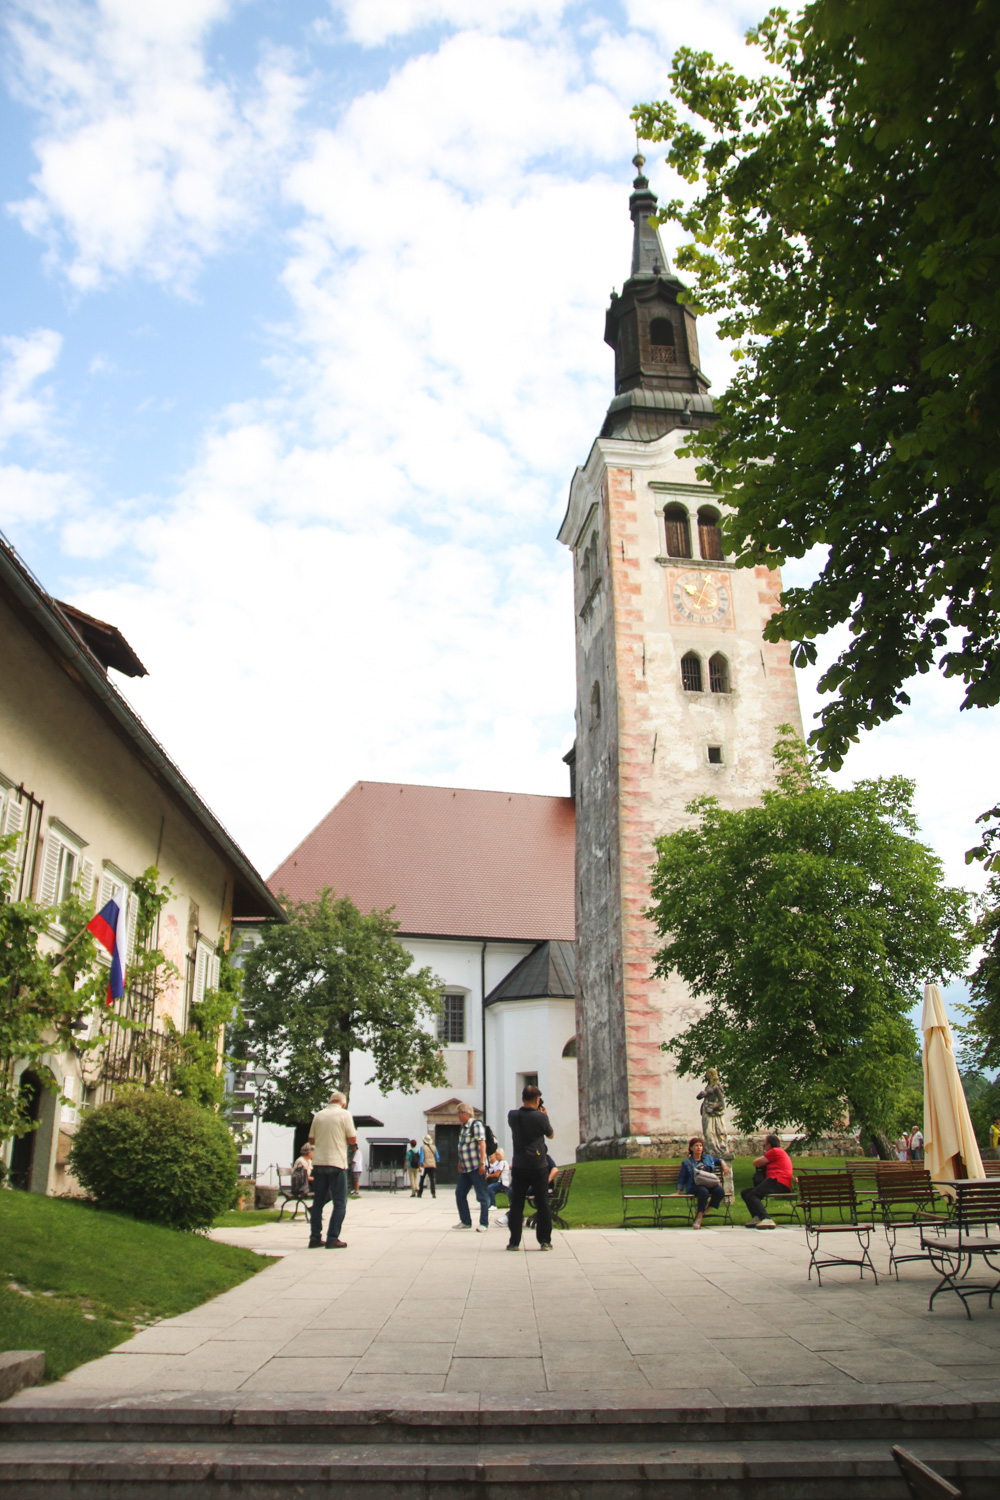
[[156, 1157]]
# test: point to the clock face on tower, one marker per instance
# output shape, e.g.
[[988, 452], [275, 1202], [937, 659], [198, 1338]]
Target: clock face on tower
[[700, 597]]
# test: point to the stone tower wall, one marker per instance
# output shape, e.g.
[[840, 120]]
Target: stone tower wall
[[639, 767]]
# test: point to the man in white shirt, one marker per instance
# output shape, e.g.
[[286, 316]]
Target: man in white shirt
[[333, 1134]]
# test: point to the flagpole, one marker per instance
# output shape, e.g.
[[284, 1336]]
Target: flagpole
[[57, 961]]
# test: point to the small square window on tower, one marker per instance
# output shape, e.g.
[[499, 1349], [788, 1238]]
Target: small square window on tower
[[715, 755]]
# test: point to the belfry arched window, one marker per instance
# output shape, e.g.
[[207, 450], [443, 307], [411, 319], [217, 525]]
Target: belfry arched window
[[662, 342], [709, 534], [691, 672], [718, 674], [677, 529]]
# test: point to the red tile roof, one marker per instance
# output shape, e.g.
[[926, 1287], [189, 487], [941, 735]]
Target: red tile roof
[[453, 863]]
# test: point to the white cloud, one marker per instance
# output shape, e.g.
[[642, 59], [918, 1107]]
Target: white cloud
[[25, 411], [146, 161], [374, 22], [37, 497]]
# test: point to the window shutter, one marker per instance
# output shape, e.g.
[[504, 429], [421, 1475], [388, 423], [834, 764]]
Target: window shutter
[[212, 982], [108, 884], [200, 973], [87, 880], [13, 822], [50, 869], [133, 917]]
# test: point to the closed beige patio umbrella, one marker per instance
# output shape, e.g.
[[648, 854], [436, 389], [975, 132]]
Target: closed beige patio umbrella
[[950, 1148]]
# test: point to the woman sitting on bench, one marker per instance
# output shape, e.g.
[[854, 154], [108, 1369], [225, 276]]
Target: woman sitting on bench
[[697, 1178]]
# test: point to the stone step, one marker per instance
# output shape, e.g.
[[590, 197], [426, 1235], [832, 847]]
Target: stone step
[[59, 1415], [762, 1470]]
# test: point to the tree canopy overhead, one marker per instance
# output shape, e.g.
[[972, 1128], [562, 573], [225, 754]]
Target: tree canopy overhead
[[329, 982], [807, 924], [848, 232]]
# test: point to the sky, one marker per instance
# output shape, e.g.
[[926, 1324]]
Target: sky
[[301, 340]]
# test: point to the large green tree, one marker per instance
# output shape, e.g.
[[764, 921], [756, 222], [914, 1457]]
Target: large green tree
[[807, 925], [847, 229], [329, 982]]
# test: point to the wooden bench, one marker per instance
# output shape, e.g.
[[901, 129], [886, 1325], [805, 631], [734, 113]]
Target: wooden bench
[[644, 1187], [829, 1207], [558, 1194], [908, 1199], [967, 1236], [923, 1482], [649, 1191], [286, 1196]]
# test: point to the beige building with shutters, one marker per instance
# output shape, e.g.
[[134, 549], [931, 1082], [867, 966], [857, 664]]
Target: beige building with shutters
[[95, 800]]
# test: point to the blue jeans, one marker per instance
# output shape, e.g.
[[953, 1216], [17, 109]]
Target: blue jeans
[[329, 1183], [467, 1180]]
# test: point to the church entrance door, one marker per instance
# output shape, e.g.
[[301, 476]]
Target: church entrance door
[[446, 1140]]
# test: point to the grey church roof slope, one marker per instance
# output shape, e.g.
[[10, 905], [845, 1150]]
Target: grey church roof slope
[[547, 972]]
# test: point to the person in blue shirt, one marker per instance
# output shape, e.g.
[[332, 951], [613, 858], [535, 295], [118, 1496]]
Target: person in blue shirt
[[698, 1161], [429, 1158]]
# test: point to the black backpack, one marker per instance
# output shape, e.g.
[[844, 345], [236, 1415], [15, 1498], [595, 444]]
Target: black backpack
[[300, 1182], [492, 1144]]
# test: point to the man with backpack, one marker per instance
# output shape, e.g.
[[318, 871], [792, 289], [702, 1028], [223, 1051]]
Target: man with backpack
[[530, 1126], [413, 1167]]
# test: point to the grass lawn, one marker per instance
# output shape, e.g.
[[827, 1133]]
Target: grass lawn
[[595, 1198], [245, 1218], [76, 1281]]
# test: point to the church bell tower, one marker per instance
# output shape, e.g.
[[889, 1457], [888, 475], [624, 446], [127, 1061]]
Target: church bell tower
[[678, 693]]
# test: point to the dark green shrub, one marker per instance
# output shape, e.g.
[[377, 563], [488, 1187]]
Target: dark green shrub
[[156, 1157]]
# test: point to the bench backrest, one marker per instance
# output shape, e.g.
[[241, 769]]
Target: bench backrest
[[978, 1202], [647, 1174], [901, 1187], [826, 1193], [561, 1186], [922, 1482]]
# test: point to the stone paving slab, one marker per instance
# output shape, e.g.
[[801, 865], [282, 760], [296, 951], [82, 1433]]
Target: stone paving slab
[[417, 1309]]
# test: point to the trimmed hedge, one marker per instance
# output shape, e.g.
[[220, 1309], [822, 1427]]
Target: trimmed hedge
[[156, 1157]]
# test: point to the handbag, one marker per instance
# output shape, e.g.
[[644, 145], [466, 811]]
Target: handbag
[[704, 1178]]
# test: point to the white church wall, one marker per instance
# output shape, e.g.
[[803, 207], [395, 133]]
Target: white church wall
[[459, 964], [526, 1037]]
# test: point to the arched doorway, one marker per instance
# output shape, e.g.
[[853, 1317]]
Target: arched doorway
[[22, 1154]]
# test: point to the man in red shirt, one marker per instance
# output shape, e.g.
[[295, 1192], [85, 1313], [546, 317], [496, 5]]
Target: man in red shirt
[[772, 1174]]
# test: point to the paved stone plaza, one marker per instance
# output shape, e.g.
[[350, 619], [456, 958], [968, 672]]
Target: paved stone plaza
[[414, 1306]]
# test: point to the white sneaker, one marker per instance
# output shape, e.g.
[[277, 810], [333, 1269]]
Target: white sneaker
[[482, 1228], [501, 1221], [460, 1225], [767, 1224]]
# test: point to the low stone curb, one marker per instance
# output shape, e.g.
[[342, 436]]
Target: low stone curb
[[18, 1368]]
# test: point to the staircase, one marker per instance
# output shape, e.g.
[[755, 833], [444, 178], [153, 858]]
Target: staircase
[[56, 1444]]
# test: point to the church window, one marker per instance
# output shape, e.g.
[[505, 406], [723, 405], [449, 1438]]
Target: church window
[[715, 755], [662, 342], [691, 672], [590, 565], [678, 531], [570, 1048], [451, 1020], [595, 705], [718, 674], [709, 535]]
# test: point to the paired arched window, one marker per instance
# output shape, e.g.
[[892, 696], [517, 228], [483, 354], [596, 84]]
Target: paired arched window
[[692, 679], [678, 531], [691, 672], [709, 534], [718, 673], [590, 564]]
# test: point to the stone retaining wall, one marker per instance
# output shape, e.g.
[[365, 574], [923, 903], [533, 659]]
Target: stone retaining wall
[[639, 1146]]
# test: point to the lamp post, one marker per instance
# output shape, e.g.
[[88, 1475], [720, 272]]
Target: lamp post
[[256, 1079]]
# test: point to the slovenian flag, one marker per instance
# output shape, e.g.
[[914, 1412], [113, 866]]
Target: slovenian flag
[[111, 929]]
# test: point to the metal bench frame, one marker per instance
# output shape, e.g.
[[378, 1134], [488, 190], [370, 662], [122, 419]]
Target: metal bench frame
[[951, 1253], [833, 1193], [286, 1196], [908, 1199]]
